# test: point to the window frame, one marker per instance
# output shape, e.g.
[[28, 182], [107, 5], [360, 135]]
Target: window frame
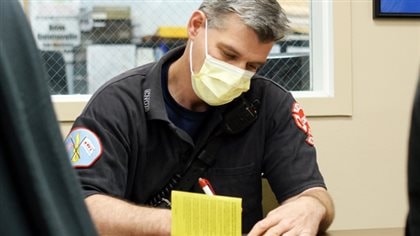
[[331, 26]]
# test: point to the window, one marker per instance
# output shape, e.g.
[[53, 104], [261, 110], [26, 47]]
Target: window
[[85, 43]]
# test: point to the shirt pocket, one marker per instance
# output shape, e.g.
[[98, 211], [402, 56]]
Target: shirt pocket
[[241, 181], [244, 182], [233, 171]]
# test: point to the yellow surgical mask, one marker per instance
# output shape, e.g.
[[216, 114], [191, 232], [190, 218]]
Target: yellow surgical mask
[[218, 82]]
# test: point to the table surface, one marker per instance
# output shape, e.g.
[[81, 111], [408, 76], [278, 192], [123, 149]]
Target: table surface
[[367, 232]]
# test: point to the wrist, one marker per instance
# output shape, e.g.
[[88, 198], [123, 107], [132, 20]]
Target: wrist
[[323, 204], [319, 208]]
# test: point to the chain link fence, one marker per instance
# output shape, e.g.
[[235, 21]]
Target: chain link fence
[[85, 43]]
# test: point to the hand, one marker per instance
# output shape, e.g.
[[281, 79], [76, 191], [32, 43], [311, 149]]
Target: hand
[[299, 216]]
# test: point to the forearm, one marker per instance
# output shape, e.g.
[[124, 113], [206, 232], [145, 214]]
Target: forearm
[[322, 196], [116, 217]]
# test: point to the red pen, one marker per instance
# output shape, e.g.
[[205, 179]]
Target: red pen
[[206, 186]]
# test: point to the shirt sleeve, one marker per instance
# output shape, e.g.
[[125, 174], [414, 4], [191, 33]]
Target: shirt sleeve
[[290, 163], [105, 125]]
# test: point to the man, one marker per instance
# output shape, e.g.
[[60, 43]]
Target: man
[[139, 131]]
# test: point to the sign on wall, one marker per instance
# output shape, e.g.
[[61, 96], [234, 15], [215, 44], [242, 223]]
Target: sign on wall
[[57, 33], [55, 24]]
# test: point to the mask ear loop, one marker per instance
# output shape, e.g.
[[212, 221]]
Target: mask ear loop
[[205, 39], [191, 45], [205, 45]]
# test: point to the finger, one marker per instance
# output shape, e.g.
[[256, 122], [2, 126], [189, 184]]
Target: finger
[[262, 226], [278, 229], [294, 232]]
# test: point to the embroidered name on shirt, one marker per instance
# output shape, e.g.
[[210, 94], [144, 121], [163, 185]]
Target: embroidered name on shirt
[[146, 99], [302, 122]]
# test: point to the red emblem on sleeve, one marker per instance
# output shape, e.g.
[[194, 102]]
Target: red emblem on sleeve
[[301, 122]]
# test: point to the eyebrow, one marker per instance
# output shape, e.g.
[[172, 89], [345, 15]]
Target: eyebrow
[[234, 51]]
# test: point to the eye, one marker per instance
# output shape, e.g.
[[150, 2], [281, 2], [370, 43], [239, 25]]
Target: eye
[[252, 67], [229, 56]]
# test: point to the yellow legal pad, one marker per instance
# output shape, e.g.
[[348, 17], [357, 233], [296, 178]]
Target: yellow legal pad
[[199, 214]]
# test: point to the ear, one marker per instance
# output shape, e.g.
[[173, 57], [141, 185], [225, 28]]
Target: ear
[[197, 20]]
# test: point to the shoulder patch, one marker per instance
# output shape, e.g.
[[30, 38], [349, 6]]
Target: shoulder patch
[[301, 122], [83, 147]]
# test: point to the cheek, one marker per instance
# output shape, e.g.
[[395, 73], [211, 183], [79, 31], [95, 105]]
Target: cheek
[[198, 57]]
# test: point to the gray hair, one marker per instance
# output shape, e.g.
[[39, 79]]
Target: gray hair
[[265, 17]]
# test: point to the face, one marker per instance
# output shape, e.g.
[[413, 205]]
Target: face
[[235, 44]]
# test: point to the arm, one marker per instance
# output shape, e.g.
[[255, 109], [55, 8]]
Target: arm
[[307, 213], [116, 217]]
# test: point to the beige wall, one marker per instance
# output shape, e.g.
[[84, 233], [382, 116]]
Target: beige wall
[[363, 156]]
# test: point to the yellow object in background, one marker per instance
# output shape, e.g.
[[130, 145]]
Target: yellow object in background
[[199, 214], [172, 32]]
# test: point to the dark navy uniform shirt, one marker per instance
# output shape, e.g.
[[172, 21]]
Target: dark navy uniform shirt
[[128, 148]]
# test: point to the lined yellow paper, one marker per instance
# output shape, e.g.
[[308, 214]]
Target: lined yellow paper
[[199, 214]]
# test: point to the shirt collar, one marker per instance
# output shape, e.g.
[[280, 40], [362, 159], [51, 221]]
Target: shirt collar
[[153, 102]]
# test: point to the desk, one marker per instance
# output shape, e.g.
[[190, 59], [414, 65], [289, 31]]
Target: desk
[[367, 232]]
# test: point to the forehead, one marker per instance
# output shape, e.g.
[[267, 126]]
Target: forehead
[[235, 34]]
